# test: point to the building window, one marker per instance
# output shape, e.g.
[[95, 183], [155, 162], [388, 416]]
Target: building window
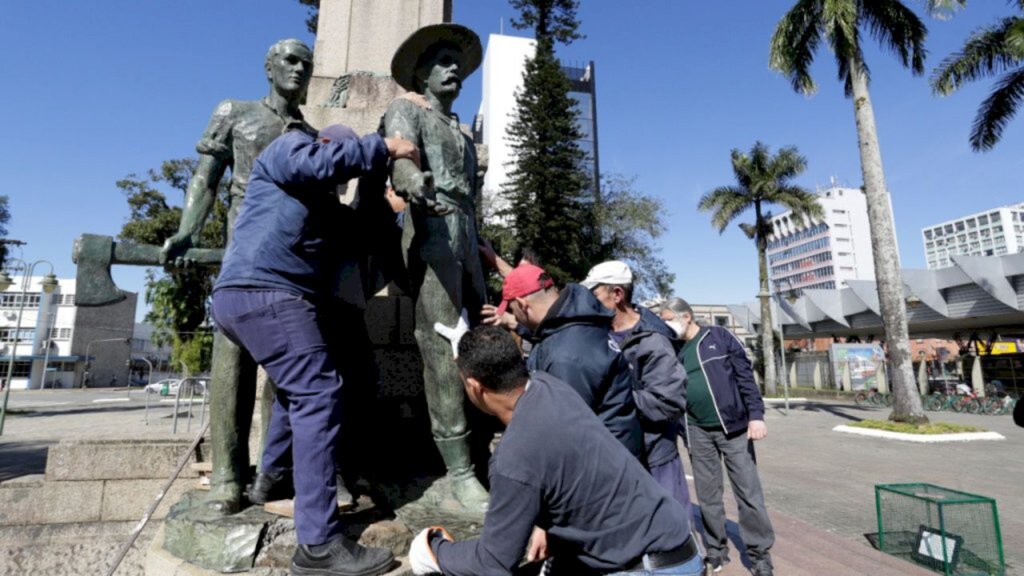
[[839, 211], [60, 333], [67, 299], [722, 321], [14, 300], [972, 223], [983, 220], [24, 335], [22, 369], [995, 217]]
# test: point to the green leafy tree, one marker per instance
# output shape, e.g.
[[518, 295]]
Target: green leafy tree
[[762, 180], [996, 50], [630, 223], [177, 297], [5, 217], [312, 14], [842, 24], [548, 202]]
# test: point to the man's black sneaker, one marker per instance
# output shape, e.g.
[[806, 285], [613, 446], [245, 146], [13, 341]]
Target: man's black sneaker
[[271, 486], [762, 567], [341, 557], [714, 565]]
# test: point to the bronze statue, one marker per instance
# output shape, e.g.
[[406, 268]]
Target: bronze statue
[[440, 237], [238, 131]]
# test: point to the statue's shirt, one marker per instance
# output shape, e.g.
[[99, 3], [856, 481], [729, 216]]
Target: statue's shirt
[[447, 152], [238, 131]]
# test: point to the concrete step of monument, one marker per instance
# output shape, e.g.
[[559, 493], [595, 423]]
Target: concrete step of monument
[[71, 549], [34, 501], [120, 459]]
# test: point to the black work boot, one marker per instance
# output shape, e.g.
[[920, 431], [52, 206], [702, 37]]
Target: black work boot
[[340, 557], [271, 486]]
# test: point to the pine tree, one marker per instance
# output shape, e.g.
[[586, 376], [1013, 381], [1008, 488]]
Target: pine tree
[[548, 202]]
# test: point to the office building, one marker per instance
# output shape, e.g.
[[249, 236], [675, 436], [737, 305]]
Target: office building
[[57, 338], [822, 254], [990, 233], [503, 67]]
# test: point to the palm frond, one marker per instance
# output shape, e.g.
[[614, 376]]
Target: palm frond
[[897, 29], [800, 201], [725, 203], [988, 52], [997, 110], [839, 20], [794, 43], [944, 9]]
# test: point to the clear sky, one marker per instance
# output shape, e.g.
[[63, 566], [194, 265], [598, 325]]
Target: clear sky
[[96, 90]]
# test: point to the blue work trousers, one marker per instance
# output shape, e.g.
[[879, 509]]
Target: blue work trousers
[[285, 333]]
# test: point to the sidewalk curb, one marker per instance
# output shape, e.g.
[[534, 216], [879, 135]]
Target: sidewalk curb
[[920, 438]]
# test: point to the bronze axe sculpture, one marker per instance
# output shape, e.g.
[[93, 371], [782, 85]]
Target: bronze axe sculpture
[[94, 254]]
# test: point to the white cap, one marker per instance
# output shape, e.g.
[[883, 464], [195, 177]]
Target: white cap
[[611, 272]]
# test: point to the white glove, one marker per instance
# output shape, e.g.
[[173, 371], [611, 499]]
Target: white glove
[[421, 557], [454, 335]]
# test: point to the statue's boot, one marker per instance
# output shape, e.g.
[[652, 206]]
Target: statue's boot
[[465, 487], [225, 496]]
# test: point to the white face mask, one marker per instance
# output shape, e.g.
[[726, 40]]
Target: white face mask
[[677, 327]]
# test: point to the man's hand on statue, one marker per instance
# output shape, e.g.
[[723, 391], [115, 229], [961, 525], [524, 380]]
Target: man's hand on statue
[[420, 198], [399, 148], [537, 549], [421, 557], [172, 253], [489, 315], [453, 335], [757, 430]]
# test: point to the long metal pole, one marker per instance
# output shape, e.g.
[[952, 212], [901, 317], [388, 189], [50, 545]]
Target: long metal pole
[[185, 457], [782, 352], [14, 350], [49, 342]]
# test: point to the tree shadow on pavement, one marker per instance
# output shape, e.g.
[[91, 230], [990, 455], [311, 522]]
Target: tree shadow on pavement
[[840, 411], [22, 459]]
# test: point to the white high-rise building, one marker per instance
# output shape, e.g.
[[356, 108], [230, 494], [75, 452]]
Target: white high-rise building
[[990, 233], [822, 254], [503, 67]]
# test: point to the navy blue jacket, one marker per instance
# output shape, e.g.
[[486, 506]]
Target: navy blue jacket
[[730, 378], [557, 467], [572, 344], [289, 233], [660, 392]]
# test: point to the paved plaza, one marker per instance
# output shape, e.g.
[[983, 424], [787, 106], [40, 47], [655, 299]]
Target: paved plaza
[[819, 484]]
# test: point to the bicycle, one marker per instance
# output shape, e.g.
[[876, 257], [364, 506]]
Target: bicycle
[[872, 397]]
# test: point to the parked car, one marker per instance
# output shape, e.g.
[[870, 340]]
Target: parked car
[[163, 387], [170, 386]]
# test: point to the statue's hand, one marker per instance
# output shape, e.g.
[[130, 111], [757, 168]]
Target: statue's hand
[[421, 200], [454, 335], [172, 255]]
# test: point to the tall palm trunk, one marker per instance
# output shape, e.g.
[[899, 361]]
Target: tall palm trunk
[[907, 406], [767, 325]]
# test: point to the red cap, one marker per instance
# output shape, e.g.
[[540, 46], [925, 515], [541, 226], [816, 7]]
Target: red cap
[[523, 280]]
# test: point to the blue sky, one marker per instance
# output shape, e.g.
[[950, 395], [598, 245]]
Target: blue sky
[[96, 90]]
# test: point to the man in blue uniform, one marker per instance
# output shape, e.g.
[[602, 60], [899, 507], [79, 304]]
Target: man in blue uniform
[[271, 299]]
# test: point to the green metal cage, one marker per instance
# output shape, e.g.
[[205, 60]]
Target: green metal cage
[[949, 531]]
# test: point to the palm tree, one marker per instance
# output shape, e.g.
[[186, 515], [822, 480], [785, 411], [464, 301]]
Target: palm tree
[[762, 180], [990, 51], [841, 24]]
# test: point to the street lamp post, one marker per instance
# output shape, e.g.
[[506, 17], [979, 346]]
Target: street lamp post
[[777, 312], [48, 284]]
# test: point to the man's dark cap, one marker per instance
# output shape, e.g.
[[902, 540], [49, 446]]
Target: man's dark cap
[[403, 64]]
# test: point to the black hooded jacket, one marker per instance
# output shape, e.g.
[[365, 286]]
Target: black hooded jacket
[[572, 344]]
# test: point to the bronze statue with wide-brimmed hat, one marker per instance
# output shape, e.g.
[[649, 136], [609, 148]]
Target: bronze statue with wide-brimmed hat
[[440, 236]]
